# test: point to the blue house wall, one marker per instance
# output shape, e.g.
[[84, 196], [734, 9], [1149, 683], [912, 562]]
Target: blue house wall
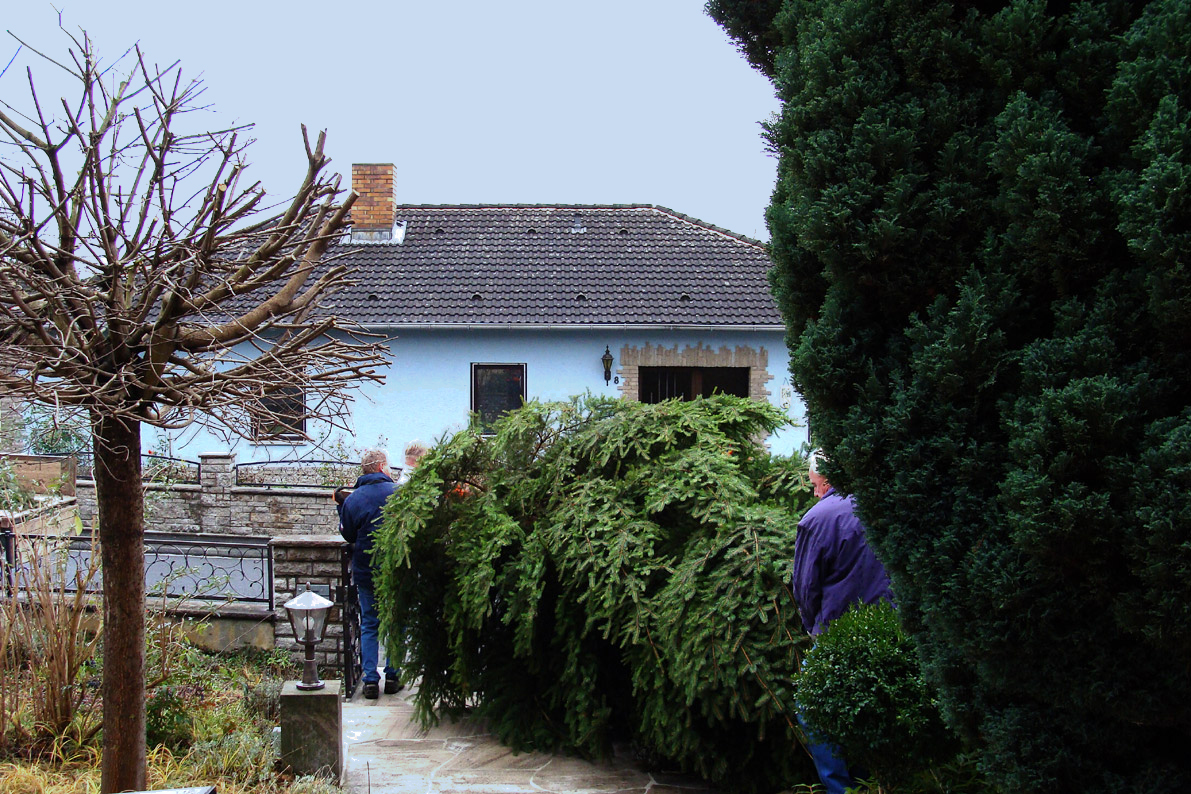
[[427, 393]]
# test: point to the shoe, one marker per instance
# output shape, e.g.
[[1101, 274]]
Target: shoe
[[392, 685], [371, 690]]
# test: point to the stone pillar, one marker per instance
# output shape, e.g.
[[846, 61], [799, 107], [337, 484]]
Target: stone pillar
[[316, 560], [312, 729], [219, 470], [216, 478]]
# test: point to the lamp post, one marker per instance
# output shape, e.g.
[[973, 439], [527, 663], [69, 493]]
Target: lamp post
[[308, 617], [607, 360]]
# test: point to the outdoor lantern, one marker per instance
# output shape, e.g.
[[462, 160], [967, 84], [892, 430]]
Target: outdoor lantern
[[607, 359], [308, 617]]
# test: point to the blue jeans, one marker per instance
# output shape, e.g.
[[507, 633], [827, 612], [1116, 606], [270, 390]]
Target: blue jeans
[[832, 769], [828, 762], [369, 636]]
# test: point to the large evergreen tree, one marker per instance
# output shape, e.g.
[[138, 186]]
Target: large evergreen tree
[[981, 249]]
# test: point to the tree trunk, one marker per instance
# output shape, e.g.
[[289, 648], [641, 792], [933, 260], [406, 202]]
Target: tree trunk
[[120, 499]]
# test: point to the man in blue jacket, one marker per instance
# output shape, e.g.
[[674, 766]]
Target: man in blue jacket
[[834, 568], [359, 518]]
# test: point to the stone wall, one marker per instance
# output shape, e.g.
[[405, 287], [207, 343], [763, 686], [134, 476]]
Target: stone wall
[[218, 506], [306, 548]]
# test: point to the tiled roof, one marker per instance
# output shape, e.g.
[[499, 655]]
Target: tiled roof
[[556, 265]]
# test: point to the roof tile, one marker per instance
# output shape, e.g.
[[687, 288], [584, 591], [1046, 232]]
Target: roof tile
[[632, 263]]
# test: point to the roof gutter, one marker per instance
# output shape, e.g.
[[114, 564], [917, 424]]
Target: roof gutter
[[386, 327]]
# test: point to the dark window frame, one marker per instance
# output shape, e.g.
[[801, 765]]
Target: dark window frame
[[681, 381], [522, 368], [280, 416]]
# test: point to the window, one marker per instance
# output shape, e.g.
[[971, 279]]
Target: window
[[280, 416], [687, 383], [495, 390]]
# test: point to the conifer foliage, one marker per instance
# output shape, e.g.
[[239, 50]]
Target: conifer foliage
[[981, 250], [604, 571]]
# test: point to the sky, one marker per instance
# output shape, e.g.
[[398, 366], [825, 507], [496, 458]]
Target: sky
[[617, 102]]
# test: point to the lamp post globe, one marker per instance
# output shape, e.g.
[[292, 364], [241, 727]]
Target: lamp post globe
[[308, 617]]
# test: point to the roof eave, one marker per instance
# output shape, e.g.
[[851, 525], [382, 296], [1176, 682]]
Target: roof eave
[[433, 326]]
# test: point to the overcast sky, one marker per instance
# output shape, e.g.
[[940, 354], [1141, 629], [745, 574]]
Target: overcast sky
[[526, 101]]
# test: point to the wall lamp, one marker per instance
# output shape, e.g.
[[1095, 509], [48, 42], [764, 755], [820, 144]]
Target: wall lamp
[[607, 359]]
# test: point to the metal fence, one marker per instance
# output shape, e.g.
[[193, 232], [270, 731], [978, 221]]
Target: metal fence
[[7, 556], [187, 567], [154, 468], [297, 473], [194, 567]]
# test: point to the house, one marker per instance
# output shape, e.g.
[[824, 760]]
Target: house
[[488, 305]]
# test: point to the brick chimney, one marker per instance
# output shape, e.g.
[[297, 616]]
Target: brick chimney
[[373, 213]]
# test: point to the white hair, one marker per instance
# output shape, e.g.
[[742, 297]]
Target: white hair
[[813, 461]]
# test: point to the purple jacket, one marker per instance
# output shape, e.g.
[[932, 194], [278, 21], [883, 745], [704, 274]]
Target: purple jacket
[[833, 564]]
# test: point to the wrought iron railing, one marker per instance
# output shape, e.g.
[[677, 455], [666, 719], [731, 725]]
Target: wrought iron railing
[[7, 556], [178, 567], [154, 468], [349, 610], [296, 473]]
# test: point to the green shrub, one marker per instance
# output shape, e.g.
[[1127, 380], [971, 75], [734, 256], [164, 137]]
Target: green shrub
[[861, 686], [14, 497], [243, 756], [52, 432], [167, 719], [313, 784], [263, 699], [604, 570]]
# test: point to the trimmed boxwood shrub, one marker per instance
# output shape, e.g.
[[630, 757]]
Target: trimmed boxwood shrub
[[861, 685]]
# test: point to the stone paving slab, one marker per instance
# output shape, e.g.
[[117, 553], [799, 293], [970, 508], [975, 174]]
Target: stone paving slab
[[386, 752]]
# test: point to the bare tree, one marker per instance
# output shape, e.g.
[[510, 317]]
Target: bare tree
[[138, 282]]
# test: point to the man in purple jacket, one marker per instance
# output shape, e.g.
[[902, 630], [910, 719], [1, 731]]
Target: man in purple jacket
[[834, 568]]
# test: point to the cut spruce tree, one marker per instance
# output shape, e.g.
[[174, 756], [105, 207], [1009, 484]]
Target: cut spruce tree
[[602, 571]]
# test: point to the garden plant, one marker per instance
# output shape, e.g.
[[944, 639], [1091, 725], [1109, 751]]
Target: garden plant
[[209, 716], [861, 685]]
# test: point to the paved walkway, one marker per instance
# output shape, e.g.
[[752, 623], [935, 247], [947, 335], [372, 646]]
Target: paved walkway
[[386, 752]]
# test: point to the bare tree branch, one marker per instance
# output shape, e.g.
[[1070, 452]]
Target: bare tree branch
[[131, 293], [140, 282]]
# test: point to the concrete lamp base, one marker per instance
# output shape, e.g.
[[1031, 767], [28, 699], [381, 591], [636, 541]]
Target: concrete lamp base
[[312, 729]]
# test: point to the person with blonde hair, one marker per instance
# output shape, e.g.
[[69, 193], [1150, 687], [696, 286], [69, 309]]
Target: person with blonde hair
[[414, 452]]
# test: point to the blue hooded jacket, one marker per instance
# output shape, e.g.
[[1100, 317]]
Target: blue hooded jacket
[[360, 516]]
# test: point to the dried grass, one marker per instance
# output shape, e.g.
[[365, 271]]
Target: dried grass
[[49, 631]]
